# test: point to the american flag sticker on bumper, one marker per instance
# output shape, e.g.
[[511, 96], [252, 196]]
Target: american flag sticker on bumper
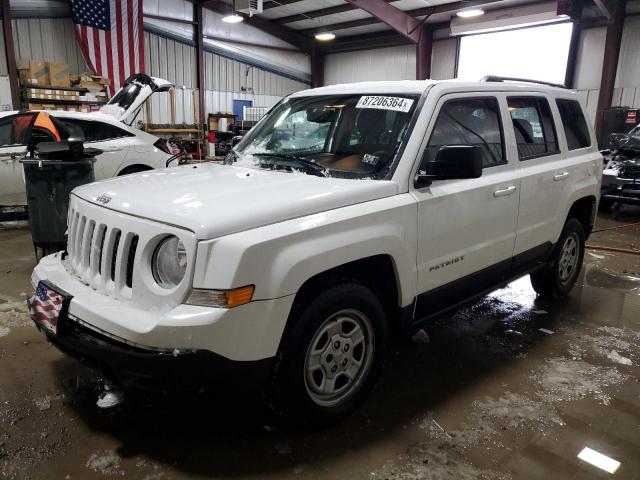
[[47, 307]]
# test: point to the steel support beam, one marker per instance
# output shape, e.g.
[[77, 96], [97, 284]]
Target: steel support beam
[[604, 9], [424, 49], [574, 43], [198, 33], [10, 54], [317, 68], [286, 34], [397, 19], [416, 12], [610, 63]]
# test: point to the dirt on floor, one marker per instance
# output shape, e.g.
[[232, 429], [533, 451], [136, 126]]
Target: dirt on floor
[[512, 387]]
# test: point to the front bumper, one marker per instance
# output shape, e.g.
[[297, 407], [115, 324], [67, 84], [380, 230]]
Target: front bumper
[[160, 370], [247, 333]]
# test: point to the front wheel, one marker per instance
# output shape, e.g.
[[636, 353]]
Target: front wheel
[[559, 276], [330, 359]]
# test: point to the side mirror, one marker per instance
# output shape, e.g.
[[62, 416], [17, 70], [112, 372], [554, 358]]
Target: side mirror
[[452, 162]]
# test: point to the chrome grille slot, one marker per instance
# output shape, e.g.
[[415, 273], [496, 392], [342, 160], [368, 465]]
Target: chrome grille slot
[[77, 247], [87, 239], [95, 255], [102, 235], [130, 260], [114, 255]]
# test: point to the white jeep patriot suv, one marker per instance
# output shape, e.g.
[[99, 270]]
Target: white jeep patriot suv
[[347, 212]]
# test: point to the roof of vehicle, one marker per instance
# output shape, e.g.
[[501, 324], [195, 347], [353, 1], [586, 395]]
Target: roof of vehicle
[[416, 87], [64, 113]]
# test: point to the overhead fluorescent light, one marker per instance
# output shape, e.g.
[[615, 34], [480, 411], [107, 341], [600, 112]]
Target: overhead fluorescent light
[[233, 18], [476, 12], [599, 460], [325, 36]]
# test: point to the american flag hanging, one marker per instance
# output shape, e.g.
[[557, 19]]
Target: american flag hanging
[[111, 37]]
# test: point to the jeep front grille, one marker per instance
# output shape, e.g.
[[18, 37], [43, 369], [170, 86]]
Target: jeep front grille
[[102, 256]]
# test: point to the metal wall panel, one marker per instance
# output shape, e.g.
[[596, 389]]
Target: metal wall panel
[[48, 39], [392, 63], [443, 59], [225, 80]]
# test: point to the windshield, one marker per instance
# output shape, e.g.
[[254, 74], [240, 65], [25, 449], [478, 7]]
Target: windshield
[[354, 136]]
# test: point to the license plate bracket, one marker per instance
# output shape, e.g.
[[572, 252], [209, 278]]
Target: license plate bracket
[[49, 307]]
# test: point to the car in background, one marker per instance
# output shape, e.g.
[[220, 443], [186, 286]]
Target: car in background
[[125, 149], [621, 175]]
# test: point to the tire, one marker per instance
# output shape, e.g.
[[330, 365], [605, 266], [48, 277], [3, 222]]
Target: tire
[[352, 317], [559, 276]]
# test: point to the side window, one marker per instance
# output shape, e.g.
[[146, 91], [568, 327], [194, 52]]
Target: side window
[[533, 127], [92, 131], [575, 125], [13, 129], [469, 121]]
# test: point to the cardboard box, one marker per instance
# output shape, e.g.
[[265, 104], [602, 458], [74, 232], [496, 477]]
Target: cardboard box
[[84, 108], [72, 108], [58, 74], [35, 106], [48, 106], [33, 71]]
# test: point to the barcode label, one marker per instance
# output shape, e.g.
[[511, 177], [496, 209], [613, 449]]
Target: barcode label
[[385, 103]]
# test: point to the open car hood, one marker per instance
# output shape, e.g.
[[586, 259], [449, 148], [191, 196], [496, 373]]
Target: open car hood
[[130, 98]]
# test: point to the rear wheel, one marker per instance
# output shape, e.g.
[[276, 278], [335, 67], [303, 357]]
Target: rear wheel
[[559, 276], [330, 360]]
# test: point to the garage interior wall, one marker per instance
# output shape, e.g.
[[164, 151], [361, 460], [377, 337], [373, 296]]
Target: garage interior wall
[[170, 54], [226, 79], [589, 66], [391, 63]]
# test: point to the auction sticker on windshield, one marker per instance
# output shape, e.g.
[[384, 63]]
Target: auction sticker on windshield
[[385, 103]]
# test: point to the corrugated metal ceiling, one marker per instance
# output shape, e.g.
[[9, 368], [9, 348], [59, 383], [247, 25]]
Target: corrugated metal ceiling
[[274, 11]]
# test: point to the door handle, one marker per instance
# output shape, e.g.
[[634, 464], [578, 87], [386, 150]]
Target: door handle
[[560, 176], [505, 192]]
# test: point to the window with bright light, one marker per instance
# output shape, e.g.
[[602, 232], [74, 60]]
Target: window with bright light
[[537, 53]]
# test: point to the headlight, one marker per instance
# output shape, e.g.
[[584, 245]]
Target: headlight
[[169, 262]]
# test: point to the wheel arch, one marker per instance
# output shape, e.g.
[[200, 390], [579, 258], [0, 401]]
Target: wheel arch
[[134, 168], [378, 273], [584, 210]]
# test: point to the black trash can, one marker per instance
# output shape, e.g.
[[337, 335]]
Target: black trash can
[[55, 169]]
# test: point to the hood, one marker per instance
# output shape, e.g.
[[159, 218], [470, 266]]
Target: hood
[[130, 98], [215, 200]]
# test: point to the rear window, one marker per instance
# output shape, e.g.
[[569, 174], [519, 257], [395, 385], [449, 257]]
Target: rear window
[[575, 125], [533, 127]]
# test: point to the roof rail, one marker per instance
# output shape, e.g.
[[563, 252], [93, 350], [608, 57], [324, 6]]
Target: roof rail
[[496, 78]]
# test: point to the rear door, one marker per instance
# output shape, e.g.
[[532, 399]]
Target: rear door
[[543, 176], [14, 136], [466, 227]]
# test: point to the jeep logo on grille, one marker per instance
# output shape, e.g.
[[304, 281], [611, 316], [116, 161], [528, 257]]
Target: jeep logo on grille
[[103, 199]]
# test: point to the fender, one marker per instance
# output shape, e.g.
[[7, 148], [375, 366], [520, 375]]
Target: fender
[[279, 258]]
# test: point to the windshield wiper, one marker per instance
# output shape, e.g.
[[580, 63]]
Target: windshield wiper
[[308, 165]]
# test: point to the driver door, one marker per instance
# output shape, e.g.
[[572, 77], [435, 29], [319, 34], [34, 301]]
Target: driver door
[[466, 227], [14, 137]]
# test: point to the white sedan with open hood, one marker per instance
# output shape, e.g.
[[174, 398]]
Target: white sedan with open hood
[[125, 149]]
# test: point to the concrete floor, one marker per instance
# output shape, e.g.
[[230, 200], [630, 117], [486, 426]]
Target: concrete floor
[[491, 396]]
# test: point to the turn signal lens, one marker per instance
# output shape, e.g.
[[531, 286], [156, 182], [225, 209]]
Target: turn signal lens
[[221, 298]]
